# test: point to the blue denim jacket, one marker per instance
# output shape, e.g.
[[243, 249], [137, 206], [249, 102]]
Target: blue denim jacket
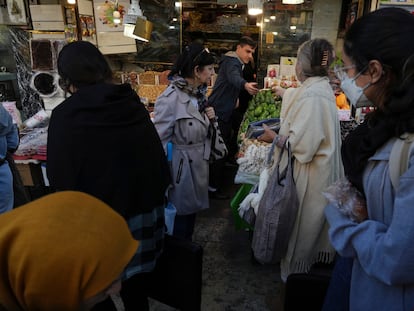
[[9, 138], [382, 246]]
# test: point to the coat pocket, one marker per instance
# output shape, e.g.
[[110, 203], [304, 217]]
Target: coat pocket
[[179, 172]]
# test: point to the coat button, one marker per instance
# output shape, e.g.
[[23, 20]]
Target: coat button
[[191, 161], [190, 123], [190, 142]]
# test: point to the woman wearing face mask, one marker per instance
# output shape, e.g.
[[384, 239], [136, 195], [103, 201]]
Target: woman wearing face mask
[[309, 121], [378, 66]]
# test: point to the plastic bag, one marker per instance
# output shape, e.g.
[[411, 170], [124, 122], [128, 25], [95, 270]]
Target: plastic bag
[[169, 213], [251, 160], [347, 199]]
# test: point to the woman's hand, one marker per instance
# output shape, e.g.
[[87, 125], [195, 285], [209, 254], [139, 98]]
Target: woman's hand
[[268, 134], [359, 210], [211, 114], [279, 91]]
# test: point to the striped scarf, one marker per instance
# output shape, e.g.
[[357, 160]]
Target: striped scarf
[[197, 92]]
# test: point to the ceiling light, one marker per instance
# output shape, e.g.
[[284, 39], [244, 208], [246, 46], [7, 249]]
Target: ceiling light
[[292, 1], [255, 7]]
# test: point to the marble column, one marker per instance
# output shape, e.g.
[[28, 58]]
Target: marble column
[[30, 99]]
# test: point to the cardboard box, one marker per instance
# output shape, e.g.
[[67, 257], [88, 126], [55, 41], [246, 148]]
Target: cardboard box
[[31, 174]]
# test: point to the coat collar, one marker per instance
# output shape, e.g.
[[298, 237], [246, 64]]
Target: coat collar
[[184, 99]]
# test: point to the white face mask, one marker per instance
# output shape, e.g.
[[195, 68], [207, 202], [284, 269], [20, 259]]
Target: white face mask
[[354, 93]]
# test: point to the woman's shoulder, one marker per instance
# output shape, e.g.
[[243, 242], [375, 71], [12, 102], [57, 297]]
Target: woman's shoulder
[[172, 94], [320, 90]]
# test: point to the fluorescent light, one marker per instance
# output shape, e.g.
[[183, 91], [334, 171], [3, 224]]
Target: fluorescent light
[[292, 1], [255, 7]]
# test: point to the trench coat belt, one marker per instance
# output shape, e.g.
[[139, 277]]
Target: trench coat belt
[[192, 146]]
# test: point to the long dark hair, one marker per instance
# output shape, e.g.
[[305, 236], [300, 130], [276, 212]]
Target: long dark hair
[[386, 35], [80, 63], [192, 56]]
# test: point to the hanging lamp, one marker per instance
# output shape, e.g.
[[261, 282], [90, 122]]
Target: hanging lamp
[[292, 1], [255, 7]]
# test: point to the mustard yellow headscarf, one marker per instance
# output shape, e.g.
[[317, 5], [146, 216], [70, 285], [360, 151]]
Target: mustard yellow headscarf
[[59, 250]]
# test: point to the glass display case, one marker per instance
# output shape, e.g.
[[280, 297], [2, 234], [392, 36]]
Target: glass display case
[[284, 28]]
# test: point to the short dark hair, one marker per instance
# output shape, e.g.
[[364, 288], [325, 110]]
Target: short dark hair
[[80, 63], [245, 40], [193, 55]]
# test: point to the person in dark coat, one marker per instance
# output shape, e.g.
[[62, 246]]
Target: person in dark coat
[[224, 100], [101, 141]]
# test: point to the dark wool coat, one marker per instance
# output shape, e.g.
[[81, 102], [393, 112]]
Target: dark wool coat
[[101, 141]]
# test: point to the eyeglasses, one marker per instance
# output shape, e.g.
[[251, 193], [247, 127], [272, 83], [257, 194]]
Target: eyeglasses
[[341, 71]]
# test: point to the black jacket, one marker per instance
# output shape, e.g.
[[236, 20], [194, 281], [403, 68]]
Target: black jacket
[[101, 141]]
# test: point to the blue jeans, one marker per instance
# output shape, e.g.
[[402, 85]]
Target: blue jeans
[[6, 188], [337, 295]]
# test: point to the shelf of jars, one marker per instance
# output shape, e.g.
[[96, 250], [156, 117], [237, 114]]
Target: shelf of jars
[[284, 28]]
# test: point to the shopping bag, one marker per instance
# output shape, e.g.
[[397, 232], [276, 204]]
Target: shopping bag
[[170, 210], [177, 278], [277, 212], [169, 213], [243, 191]]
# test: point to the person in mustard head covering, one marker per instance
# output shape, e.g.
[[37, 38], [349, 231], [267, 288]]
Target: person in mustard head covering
[[65, 251]]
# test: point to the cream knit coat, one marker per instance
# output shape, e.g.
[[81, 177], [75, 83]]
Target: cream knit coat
[[309, 117]]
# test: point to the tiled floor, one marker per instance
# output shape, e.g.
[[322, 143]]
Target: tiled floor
[[231, 281]]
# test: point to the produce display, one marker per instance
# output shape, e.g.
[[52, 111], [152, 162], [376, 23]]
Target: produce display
[[262, 106], [252, 154]]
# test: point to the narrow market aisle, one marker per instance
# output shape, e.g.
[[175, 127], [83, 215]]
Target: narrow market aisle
[[231, 281]]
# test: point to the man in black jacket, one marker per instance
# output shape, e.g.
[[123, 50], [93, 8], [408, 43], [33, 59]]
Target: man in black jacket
[[224, 99]]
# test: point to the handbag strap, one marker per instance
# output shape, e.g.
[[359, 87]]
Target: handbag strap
[[399, 157], [272, 149]]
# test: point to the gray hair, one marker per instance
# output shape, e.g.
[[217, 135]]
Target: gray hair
[[315, 57]]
